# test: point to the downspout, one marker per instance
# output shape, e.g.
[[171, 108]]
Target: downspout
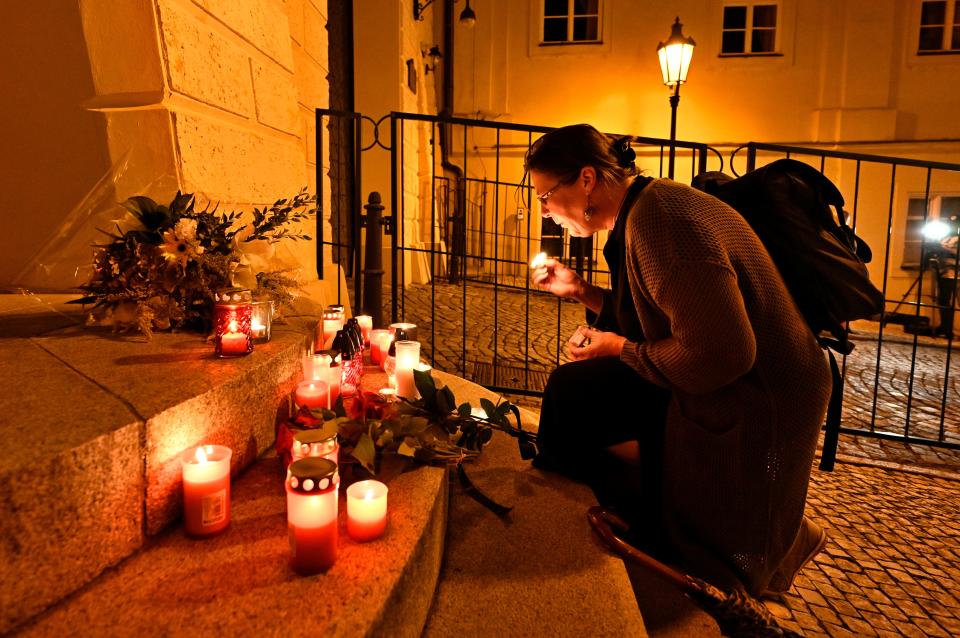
[[459, 213]]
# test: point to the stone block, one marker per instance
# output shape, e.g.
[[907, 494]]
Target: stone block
[[236, 164], [295, 10], [239, 583], [311, 78], [263, 24], [126, 59], [546, 556], [71, 480], [202, 63], [315, 35], [188, 397], [276, 97]]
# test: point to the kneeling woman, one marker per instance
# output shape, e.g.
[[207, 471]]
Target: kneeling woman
[[699, 377]]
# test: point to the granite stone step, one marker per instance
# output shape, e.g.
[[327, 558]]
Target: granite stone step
[[93, 422]]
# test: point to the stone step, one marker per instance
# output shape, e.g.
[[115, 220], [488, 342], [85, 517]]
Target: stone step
[[94, 422], [239, 583]]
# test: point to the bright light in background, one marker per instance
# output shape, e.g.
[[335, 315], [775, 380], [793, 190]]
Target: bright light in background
[[936, 230], [675, 55]]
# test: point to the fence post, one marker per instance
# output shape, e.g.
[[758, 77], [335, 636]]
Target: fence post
[[751, 157], [373, 260]]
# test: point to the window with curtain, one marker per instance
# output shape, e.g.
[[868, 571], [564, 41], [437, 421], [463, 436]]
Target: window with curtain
[[750, 28], [571, 22]]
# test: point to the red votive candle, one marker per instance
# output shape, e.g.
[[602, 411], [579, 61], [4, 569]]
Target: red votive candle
[[313, 394], [206, 489], [312, 497]]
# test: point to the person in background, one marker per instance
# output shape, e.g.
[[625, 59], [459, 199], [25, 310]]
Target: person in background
[[694, 401], [947, 280]]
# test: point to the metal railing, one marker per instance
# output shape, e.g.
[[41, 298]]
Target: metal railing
[[464, 232], [910, 372]]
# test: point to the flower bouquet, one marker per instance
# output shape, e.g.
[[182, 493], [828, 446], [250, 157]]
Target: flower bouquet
[[163, 272]]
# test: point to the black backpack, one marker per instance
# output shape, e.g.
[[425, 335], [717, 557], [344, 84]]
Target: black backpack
[[798, 215]]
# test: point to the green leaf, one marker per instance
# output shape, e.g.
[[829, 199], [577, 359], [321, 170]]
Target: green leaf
[[406, 450], [445, 400], [489, 408], [464, 409], [425, 384], [365, 452], [414, 426]]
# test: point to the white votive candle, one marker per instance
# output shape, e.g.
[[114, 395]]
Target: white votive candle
[[366, 510]]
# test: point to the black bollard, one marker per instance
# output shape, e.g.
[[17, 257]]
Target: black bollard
[[373, 260]]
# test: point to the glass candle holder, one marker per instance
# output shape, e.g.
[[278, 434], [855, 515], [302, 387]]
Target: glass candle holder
[[332, 322], [261, 320], [206, 489], [366, 325], [351, 366], [232, 315], [407, 360], [379, 345], [334, 381], [312, 502], [315, 443], [316, 366], [366, 510], [313, 394], [409, 329]]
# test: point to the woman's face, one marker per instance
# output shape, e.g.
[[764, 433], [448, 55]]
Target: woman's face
[[564, 200]]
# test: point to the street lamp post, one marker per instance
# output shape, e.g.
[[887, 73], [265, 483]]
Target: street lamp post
[[675, 55]]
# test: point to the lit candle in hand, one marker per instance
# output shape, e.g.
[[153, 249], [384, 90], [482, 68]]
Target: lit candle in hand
[[206, 489], [538, 261], [366, 510]]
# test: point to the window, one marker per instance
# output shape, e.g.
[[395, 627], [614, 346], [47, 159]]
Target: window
[[571, 21], [939, 27], [946, 208], [750, 29]]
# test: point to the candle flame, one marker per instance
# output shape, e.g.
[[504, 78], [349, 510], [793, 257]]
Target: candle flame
[[369, 495], [538, 260], [233, 326], [201, 455]]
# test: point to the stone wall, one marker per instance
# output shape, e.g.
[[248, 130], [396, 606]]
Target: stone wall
[[209, 96]]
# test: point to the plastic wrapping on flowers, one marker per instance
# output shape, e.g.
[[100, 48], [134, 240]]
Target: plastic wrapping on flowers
[[157, 264]]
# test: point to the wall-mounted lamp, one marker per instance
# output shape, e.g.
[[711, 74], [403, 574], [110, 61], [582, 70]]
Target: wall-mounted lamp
[[467, 17], [434, 55], [419, 8]]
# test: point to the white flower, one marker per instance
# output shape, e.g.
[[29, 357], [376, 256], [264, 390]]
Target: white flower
[[180, 243]]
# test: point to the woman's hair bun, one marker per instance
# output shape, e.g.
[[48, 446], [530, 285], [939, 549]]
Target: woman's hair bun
[[624, 152]]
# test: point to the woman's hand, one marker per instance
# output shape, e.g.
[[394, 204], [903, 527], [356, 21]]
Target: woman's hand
[[587, 343], [556, 278]]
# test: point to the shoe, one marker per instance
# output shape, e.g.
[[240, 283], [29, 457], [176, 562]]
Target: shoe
[[810, 541]]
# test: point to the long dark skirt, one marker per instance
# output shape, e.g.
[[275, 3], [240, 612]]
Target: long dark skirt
[[590, 406]]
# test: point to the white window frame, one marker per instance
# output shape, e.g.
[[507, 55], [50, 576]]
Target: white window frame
[[570, 16], [951, 19], [748, 31]]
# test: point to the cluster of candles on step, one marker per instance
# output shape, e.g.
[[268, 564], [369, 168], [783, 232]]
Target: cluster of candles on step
[[332, 368]]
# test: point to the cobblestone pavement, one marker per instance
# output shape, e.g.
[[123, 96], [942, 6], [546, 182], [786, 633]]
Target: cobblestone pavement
[[892, 567]]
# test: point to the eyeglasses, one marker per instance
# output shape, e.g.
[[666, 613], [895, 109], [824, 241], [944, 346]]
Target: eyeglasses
[[545, 196]]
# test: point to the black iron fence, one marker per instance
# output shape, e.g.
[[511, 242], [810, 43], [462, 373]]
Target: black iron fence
[[466, 224]]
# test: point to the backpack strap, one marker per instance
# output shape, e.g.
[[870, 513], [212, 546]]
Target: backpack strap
[[831, 436]]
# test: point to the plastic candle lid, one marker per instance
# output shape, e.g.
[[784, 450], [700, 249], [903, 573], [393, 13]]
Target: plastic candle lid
[[312, 474], [232, 295], [313, 436]]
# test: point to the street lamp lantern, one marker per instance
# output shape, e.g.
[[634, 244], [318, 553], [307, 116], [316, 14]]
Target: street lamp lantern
[[675, 55]]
